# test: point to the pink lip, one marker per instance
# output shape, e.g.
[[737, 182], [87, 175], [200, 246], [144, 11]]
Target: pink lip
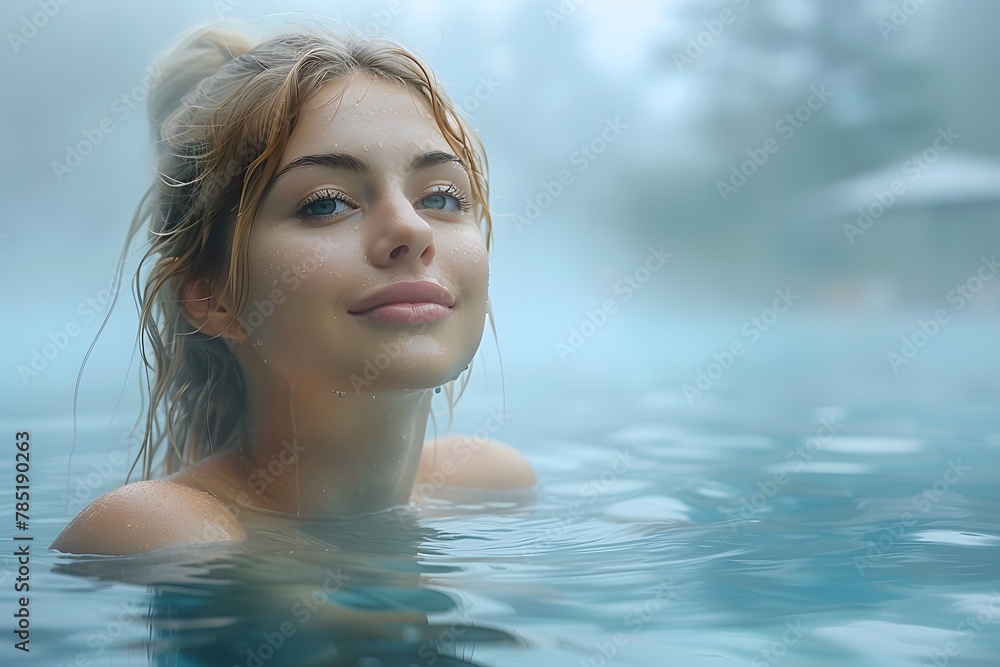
[[406, 302], [406, 313]]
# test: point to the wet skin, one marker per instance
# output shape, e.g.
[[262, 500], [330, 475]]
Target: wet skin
[[326, 238]]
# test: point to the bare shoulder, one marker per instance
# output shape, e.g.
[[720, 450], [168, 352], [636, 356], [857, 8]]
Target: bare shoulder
[[473, 462], [145, 516]]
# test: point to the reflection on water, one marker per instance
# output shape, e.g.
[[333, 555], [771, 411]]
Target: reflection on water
[[808, 511], [334, 593]]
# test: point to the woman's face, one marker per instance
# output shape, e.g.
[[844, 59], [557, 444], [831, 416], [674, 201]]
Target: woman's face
[[366, 196]]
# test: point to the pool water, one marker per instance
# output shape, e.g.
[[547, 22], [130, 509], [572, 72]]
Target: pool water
[[811, 508]]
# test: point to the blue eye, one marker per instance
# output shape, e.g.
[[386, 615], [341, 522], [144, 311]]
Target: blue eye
[[439, 200], [436, 200], [323, 205]]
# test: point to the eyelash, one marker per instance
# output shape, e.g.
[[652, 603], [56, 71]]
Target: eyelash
[[320, 196], [452, 190], [464, 205]]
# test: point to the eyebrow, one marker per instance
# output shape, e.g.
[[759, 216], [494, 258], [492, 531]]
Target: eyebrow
[[351, 163]]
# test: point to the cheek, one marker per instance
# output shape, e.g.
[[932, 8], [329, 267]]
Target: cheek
[[290, 261], [282, 274], [471, 272]]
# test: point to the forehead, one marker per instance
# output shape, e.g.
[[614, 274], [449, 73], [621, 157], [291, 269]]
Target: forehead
[[378, 121]]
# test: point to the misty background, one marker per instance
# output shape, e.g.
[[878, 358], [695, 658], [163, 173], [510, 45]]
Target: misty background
[[845, 154]]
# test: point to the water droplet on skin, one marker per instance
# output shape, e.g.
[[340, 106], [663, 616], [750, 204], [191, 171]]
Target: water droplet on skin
[[258, 342], [365, 146], [374, 397], [379, 144], [365, 258]]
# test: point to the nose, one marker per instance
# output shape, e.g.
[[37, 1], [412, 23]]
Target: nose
[[401, 234]]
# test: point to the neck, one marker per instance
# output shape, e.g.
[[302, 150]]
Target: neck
[[315, 453]]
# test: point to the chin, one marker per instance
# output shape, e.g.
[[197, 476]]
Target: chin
[[373, 361], [410, 362], [382, 373]]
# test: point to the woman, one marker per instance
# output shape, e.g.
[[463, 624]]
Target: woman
[[319, 272]]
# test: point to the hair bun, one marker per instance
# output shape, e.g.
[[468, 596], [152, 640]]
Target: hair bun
[[192, 61]]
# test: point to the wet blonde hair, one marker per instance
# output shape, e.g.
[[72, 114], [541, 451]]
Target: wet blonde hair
[[222, 111]]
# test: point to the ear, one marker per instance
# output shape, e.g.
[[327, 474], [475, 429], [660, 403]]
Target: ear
[[209, 314]]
